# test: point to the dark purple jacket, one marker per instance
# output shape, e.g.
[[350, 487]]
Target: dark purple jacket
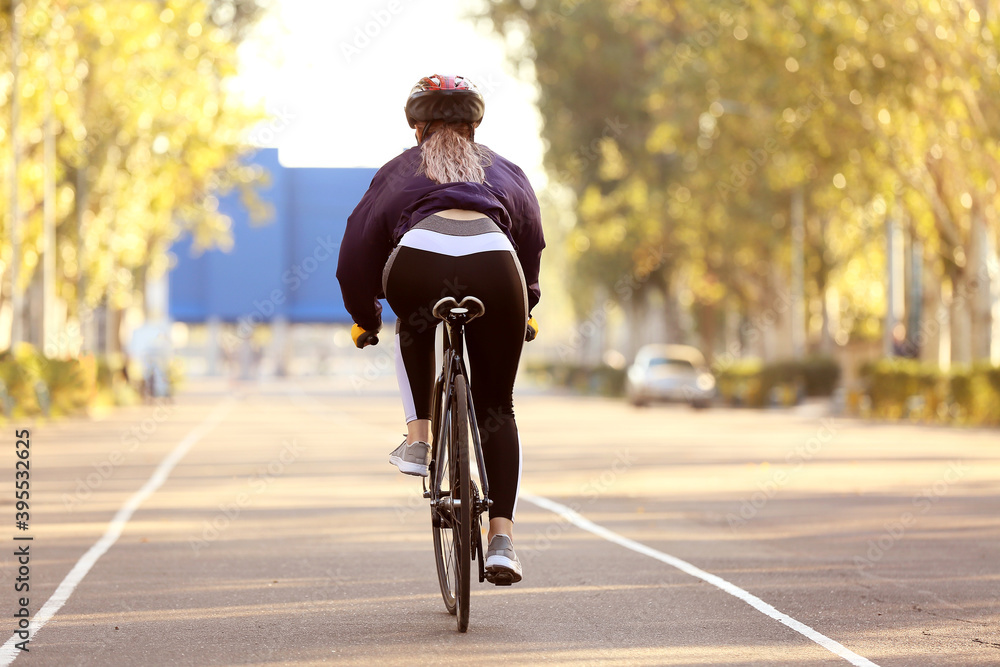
[[398, 198]]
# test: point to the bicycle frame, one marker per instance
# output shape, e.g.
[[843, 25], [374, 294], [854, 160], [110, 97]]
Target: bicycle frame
[[452, 366]]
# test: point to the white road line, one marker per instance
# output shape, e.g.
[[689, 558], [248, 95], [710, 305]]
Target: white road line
[[734, 590], [8, 652]]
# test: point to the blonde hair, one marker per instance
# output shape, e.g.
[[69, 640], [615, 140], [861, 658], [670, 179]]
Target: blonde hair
[[449, 155]]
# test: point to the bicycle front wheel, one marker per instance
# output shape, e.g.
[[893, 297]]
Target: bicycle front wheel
[[463, 511], [443, 521], [452, 518]]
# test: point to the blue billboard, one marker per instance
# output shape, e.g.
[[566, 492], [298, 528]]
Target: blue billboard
[[284, 268]]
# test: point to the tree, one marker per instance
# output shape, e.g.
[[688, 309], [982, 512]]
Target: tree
[[871, 111], [146, 135]]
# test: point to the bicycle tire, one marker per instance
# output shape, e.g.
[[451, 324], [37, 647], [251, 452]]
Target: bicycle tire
[[462, 532], [442, 521]]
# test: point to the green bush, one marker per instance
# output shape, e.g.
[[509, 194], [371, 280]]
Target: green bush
[[900, 387], [16, 397], [601, 379], [31, 384], [20, 373], [111, 380], [747, 382], [982, 404], [904, 388], [753, 383], [821, 375], [67, 386], [740, 383]]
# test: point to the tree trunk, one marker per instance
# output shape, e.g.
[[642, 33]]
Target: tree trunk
[[831, 318], [993, 266], [733, 345], [5, 311], [915, 295], [114, 329], [944, 294], [797, 316], [17, 299], [895, 284], [632, 323], [84, 313], [960, 314], [672, 312], [49, 331], [707, 314], [979, 286], [933, 316], [776, 319], [34, 312]]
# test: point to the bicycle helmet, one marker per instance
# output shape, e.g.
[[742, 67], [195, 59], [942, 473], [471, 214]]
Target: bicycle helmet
[[446, 98]]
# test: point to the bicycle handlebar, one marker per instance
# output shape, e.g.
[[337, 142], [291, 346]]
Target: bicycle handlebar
[[363, 338]]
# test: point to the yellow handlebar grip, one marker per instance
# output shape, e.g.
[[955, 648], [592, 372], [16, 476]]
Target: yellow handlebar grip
[[532, 331], [362, 337]]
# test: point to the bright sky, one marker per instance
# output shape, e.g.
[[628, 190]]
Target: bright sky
[[334, 76]]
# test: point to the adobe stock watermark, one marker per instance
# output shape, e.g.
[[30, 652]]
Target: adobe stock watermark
[[66, 341], [895, 530], [589, 152], [742, 172], [100, 134], [624, 288], [696, 42], [130, 440], [266, 133], [593, 489], [751, 330], [262, 135], [553, 17], [292, 279], [377, 21], [797, 457], [337, 578], [256, 484], [892, 20], [414, 500], [419, 322], [488, 424], [964, 293]]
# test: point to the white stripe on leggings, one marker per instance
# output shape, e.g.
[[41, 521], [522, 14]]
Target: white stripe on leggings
[[405, 392], [520, 467], [455, 246]]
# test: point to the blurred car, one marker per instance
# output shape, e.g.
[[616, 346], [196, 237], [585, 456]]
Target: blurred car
[[670, 373]]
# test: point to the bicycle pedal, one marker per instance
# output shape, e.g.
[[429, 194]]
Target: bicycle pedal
[[500, 578]]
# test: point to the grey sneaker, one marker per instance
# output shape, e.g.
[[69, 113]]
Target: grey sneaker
[[411, 459], [502, 566]]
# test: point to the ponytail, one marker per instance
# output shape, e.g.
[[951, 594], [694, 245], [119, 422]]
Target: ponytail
[[449, 155]]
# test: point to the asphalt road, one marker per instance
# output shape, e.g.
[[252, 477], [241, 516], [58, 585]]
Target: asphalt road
[[279, 534]]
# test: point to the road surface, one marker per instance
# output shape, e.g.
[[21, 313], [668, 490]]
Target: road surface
[[263, 525]]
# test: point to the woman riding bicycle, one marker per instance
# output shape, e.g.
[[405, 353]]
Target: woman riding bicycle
[[449, 217]]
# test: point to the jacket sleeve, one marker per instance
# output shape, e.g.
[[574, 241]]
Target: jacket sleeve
[[526, 229], [364, 251]]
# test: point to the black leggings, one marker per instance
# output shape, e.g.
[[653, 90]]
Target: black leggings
[[468, 258]]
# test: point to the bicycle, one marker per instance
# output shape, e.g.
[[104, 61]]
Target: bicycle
[[455, 499]]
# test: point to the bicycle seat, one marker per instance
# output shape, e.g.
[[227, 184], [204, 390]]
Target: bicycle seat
[[448, 309]]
